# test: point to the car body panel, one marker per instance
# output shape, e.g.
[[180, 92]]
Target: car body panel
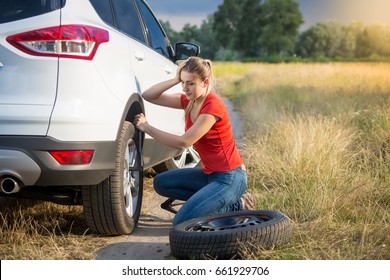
[[28, 83]]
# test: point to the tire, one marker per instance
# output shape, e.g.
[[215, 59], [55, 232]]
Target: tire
[[226, 236], [189, 158], [113, 207]]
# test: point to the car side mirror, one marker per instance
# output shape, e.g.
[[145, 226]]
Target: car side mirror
[[185, 50]]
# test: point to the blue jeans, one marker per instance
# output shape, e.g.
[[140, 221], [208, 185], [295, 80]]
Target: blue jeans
[[204, 194]]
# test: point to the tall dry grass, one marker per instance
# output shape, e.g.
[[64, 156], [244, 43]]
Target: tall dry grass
[[318, 150], [45, 231]]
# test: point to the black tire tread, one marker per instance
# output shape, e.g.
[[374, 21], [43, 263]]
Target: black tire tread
[[103, 204], [228, 244]]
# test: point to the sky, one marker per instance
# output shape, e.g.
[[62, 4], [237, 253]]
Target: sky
[[180, 12]]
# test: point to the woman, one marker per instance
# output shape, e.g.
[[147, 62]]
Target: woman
[[218, 186]]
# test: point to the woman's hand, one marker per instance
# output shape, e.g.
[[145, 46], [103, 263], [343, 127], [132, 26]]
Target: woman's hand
[[140, 122], [178, 71]]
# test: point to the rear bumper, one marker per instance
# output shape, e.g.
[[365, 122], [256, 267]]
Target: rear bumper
[[28, 160]]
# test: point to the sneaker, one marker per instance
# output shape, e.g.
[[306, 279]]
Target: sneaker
[[248, 202]]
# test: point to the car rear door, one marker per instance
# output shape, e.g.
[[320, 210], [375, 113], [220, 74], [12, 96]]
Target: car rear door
[[28, 82], [156, 59]]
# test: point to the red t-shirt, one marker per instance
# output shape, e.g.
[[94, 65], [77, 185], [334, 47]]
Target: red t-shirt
[[217, 148]]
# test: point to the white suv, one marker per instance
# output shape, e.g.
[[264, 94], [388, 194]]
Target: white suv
[[71, 75]]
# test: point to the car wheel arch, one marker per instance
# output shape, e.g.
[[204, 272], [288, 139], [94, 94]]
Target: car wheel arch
[[134, 106]]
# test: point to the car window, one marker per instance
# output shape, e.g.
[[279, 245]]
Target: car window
[[127, 19], [12, 10], [157, 39], [103, 8]]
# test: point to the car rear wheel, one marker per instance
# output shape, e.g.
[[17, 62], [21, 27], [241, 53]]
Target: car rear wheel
[[113, 206], [189, 158]]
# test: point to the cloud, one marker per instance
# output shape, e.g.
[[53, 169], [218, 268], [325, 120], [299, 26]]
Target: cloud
[[180, 12], [177, 22], [344, 11], [180, 7]]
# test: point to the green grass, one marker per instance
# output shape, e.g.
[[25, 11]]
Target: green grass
[[318, 150]]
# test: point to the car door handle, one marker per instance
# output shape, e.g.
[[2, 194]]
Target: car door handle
[[168, 70], [139, 56]]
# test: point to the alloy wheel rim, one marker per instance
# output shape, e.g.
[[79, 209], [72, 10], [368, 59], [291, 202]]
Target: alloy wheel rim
[[189, 158], [131, 175]]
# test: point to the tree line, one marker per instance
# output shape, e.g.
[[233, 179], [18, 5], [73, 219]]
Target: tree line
[[266, 29]]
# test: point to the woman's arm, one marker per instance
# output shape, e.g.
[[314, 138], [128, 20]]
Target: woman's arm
[[200, 128], [156, 93]]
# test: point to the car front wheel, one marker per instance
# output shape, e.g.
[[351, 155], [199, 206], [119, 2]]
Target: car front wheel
[[113, 206]]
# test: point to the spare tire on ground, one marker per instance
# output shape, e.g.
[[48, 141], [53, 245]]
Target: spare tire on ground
[[226, 236]]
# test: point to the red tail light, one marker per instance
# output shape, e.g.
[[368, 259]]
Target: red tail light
[[71, 41], [72, 157]]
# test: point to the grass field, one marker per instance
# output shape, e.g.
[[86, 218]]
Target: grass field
[[317, 149], [46, 231]]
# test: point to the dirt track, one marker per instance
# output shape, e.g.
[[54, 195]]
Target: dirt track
[[149, 240]]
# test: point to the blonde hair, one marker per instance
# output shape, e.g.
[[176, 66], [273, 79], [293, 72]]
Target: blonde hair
[[202, 68]]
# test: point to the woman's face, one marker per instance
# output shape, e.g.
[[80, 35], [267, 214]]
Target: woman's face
[[193, 87]]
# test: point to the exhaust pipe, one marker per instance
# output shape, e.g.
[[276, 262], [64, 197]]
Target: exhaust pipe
[[9, 185]]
